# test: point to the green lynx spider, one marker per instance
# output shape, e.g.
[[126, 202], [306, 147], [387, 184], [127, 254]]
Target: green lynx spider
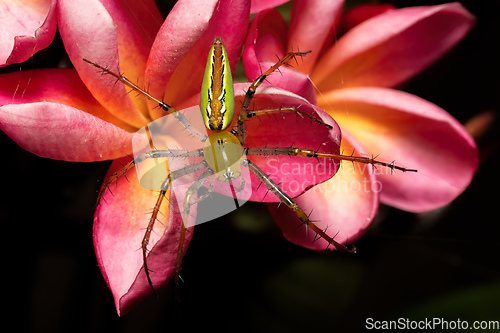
[[217, 106]]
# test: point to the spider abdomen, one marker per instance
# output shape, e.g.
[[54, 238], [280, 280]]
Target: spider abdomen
[[217, 92]]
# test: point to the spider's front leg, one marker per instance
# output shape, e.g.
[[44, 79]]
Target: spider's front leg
[[282, 111], [166, 107], [295, 151], [123, 79], [244, 111]]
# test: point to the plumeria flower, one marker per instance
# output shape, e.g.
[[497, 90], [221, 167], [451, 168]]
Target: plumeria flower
[[80, 115], [352, 78]]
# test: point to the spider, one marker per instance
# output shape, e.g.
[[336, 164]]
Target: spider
[[213, 149]]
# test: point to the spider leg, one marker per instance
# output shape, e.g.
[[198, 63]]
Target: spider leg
[[287, 200], [253, 87], [154, 154], [292, 109], [133, 86], [167, 108], [187, 124], [190, 199], [111, 179], [169, 153], [293, 151], [156, 209], [150, 154]]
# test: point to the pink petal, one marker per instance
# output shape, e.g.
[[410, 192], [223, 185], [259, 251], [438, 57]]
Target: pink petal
[[313, 27], [266, 39], [345, 204], [137, 23], [261, 5], [174, 40], [392, 47], [293, 174], [119, 227], [53, 85], [109, 38], [415, 134], [42, 111], [62, 132], [361, 13], [179, 54], [27, 27], [265, 44]]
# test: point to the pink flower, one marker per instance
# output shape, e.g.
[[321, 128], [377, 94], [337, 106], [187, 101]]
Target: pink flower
[[80, 115], [354, 76]]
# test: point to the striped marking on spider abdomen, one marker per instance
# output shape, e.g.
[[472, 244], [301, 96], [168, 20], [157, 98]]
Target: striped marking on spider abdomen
[[217, 92]]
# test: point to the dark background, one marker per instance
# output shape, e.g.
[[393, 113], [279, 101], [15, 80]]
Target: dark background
[[241, 275]]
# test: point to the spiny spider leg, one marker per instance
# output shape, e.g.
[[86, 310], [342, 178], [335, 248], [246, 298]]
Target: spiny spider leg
[[253, 87], [169, 153], [291, 109], [287, 200], [132, 85], [113, 178], [292, 151], [156, 209], [193, 130], [189, 200], [167, 108]]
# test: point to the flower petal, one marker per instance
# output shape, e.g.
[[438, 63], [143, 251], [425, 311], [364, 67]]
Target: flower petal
[[137, 23], [345, 204], [313, 27], [360, 57], [62, 132], [56, 85], [294, 174], [361, 13], [415, 133], [179, 54], [27, 27], [42, 111], [264, 45], [265, 42], [260, 5], [266, 39], [184, 25], [119, 227], [94, 34]]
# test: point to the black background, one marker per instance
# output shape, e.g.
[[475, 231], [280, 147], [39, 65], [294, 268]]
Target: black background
[[241, 275]]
